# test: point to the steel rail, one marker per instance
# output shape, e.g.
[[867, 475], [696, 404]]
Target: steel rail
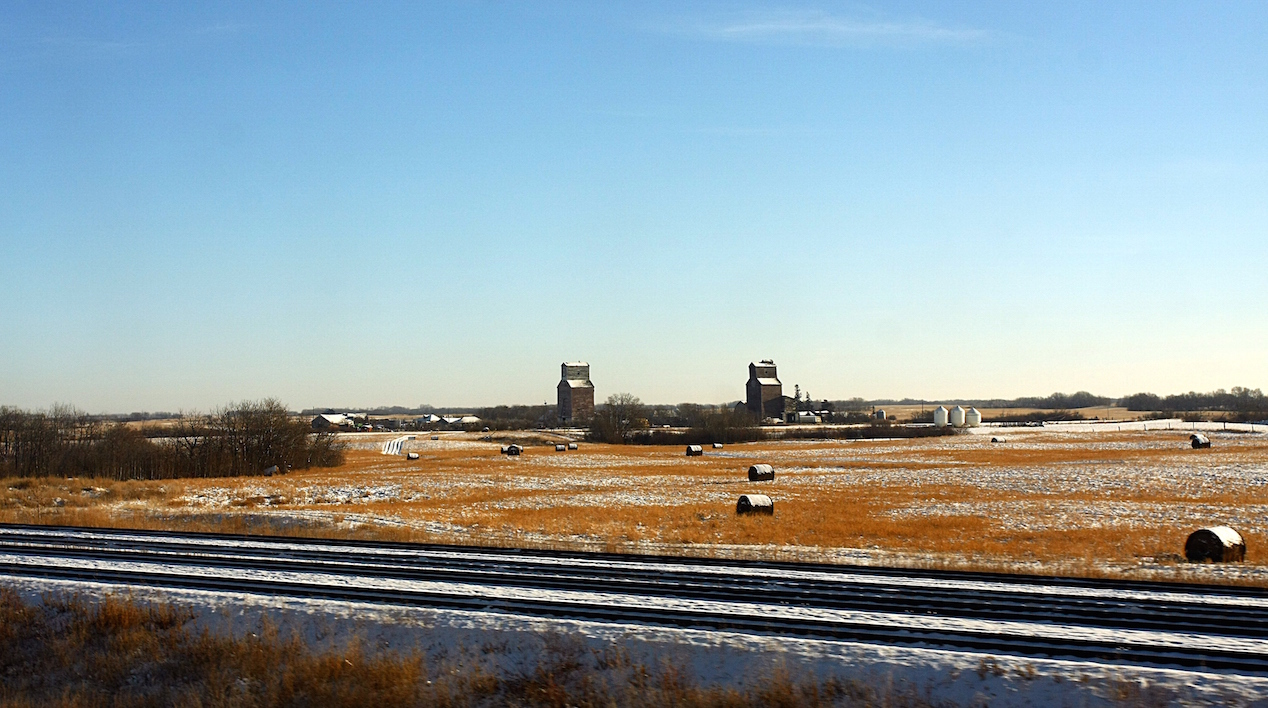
[[984, 641], [664, 578], [528, 553], [830, 593], [905, 599]]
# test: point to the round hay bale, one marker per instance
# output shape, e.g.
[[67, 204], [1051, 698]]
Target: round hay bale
[[572, 446], [1218, 544], [435, 437], [761, 473], [717, 446], [1199, 441], [755, 504], [561, 448], [411, 455], [514, 449], [998, 440], [694, 451]]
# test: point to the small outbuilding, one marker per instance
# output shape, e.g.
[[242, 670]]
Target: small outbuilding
[[694, 451], [761, 473], [1199, 441], [755, 504], [1218, 544]]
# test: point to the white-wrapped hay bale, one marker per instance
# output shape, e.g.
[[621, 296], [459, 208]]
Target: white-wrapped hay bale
[[1199, 441], [561, 448], [717, 446], [411, 455], [761, 473], [755, 504], [1218, 544], [572, 446], [694, 451]]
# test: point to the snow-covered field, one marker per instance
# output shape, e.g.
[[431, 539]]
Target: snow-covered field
[[1049, 500], [505, 644], [1132, 497]]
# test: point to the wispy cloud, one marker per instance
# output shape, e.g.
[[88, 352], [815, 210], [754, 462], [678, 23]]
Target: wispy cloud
[[89, 44], [170, 40], [222, 28], [811, 27]]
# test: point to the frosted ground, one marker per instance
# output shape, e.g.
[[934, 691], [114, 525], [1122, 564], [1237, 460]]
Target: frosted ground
[[1108, 502], [512, 645], [958, 501]]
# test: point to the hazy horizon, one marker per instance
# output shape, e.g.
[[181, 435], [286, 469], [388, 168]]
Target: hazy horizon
[[442, 202], [600, 397]]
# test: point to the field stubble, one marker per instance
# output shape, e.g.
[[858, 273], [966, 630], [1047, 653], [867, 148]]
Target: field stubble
[[1105, 504]]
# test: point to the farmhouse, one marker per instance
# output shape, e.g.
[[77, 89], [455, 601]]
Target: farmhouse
[[330, 421], [575, 392]]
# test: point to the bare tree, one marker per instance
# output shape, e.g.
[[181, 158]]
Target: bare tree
[[621, 414]]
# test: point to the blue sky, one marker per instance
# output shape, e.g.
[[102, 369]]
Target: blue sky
[[439, 202]]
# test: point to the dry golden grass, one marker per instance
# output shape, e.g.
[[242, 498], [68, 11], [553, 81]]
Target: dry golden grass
[[118, 652], [1108, 503]]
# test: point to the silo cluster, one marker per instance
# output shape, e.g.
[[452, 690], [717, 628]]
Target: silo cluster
[[956, 417]]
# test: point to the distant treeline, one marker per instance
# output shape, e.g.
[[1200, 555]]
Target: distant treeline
[[383, 410], [624, 419], [251, 438], [1056, 401], [1245, 402], [517, 417]]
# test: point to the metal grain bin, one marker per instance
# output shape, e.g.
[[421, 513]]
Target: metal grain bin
[[1198, 441], [694, 451], [940, 417], [755, 504], [1218, 544], [761, 473]]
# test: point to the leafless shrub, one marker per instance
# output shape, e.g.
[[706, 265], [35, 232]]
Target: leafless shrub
[[247, 438]]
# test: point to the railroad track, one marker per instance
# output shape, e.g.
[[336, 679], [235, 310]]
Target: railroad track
[[1165, 624]]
